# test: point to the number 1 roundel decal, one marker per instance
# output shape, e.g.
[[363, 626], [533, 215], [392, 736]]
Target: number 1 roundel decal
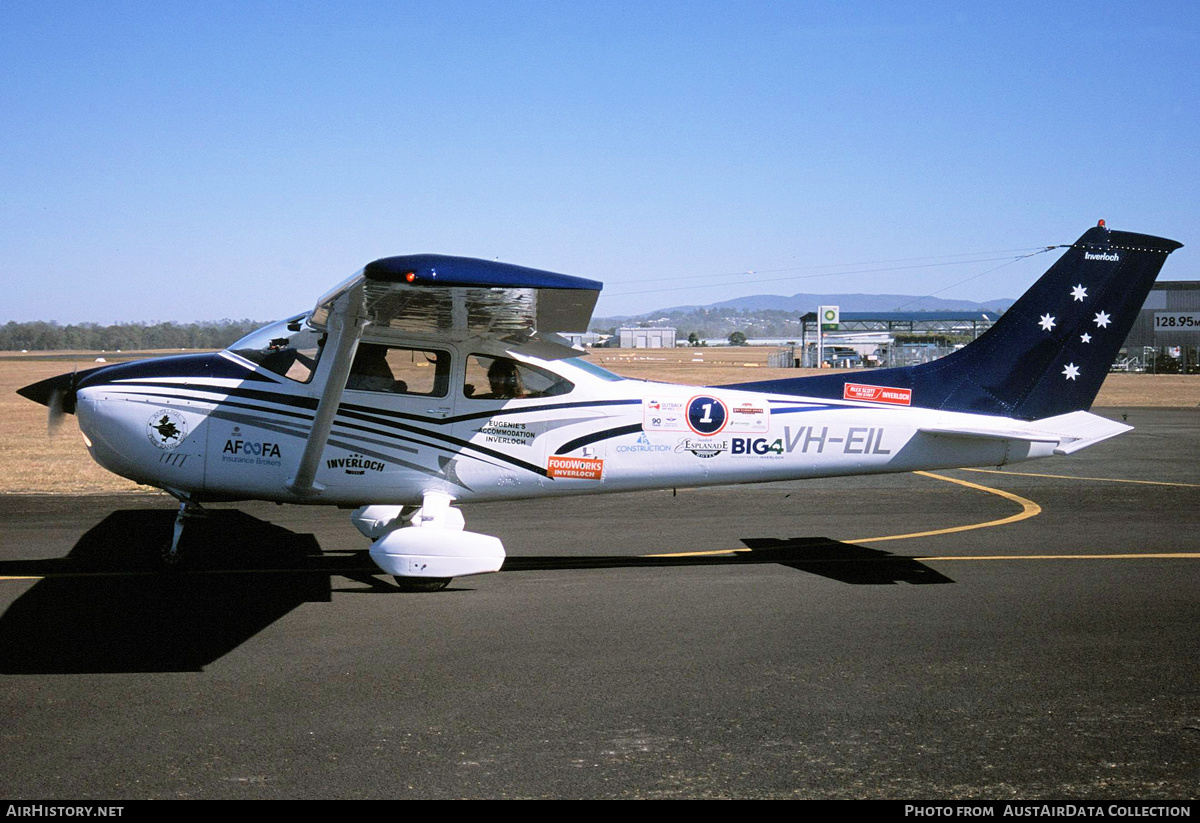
[[706, 415]]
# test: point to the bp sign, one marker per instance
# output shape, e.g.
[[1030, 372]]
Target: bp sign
[[830, 317]]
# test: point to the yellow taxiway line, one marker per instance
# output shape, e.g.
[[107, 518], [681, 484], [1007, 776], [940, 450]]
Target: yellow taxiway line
[[1141, 556], [1028, 509], [1095, 479]]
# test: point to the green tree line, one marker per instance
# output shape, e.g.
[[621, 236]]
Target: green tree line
[[50, 336]]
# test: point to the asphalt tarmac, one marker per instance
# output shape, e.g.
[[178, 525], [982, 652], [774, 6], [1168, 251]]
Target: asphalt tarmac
[[1051, 651]]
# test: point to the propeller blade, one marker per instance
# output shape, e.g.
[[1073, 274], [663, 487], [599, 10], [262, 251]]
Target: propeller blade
[[55, 410]]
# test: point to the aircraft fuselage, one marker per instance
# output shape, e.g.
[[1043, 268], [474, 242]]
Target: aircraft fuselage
[[230, 436]]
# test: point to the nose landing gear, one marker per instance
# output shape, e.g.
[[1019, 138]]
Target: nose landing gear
[[189, 510]]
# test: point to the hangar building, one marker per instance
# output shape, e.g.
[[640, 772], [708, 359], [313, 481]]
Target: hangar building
[[646, 338], [1168, 324]]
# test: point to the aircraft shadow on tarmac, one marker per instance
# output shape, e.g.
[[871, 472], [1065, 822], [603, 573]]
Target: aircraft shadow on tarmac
[[109, 606], [845, 562]]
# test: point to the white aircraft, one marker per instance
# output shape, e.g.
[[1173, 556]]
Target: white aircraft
[[425, 381]]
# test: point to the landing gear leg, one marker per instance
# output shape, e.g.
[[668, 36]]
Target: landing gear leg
[[171, 555]]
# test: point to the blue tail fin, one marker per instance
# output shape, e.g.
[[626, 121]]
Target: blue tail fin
[[1047, 355]]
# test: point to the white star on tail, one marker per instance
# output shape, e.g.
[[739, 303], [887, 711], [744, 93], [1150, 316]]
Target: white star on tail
[[1101, 320], [1071, 371], [1085, 338], [1047, 322], [1079, 292]]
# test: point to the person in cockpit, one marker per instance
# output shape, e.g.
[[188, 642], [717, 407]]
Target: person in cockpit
[[371, 372], [505, 380]]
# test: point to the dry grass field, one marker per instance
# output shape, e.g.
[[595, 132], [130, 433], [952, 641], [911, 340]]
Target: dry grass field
[[30, 459], [33, 462]]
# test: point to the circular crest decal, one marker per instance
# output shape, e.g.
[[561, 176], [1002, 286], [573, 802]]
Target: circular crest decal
[[706, 415], [166, 429]]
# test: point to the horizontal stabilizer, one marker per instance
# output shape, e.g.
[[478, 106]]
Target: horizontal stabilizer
[[1072, 431], [1078, 430], [989, 434]]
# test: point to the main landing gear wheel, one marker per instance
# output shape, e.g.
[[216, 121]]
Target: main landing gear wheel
[[424, 548], [422, 584]]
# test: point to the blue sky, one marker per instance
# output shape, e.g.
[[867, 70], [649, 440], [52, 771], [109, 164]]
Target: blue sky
[[166, 161]]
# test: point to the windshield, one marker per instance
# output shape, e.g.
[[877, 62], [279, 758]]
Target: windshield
[[288, 348]]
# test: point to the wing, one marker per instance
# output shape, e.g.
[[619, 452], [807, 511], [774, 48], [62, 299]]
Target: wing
[[457, 297], [451, 298]]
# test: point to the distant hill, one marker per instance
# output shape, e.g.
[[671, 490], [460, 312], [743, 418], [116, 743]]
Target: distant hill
[[773, 315], [848, 302]]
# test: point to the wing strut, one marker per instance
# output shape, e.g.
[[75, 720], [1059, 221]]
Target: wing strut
[[346, 324]]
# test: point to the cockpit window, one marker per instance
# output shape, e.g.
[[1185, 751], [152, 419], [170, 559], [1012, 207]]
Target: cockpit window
[[289, 348], [501, 378], [593, 369], [400, 370]]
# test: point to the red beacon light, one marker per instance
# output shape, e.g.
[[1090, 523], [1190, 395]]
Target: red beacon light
[[1100, 225], [410, 276]]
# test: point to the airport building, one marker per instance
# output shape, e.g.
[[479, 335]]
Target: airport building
[[646, 338], [1166, 335], [586, 339], [1167, 328], [868, 338]]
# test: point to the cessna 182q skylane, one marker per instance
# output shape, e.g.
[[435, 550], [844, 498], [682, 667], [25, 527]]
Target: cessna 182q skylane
[[424, 381]]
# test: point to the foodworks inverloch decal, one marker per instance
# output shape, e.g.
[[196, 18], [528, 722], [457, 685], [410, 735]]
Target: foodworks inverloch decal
[[575, 468]]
